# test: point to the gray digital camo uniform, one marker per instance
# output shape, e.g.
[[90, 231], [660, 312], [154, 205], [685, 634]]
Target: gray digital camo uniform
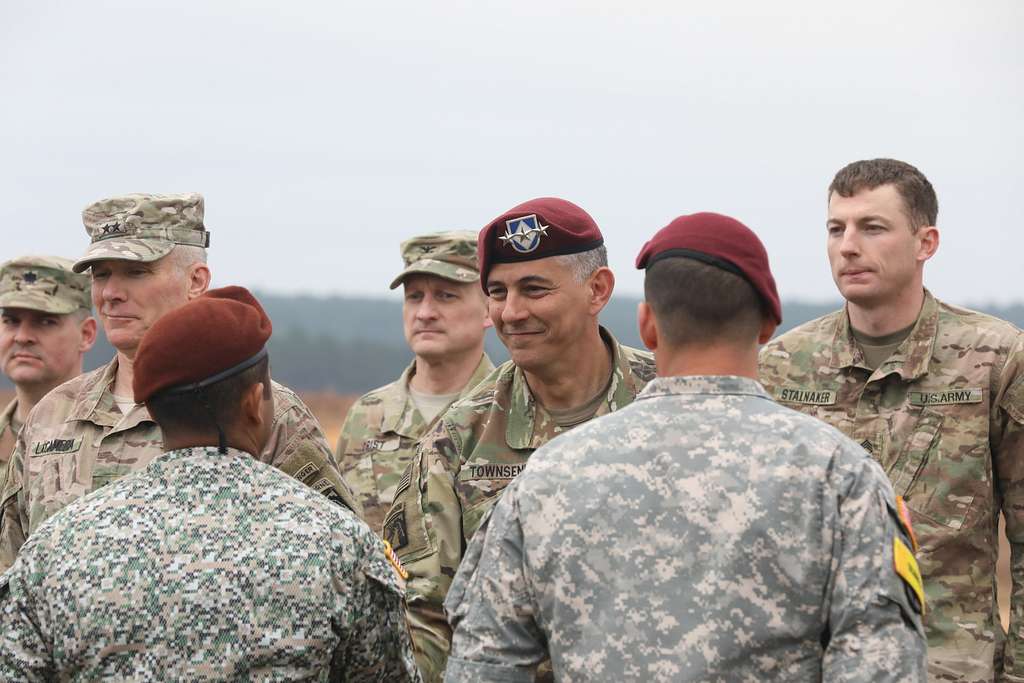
[[702, 532], [204, 567]]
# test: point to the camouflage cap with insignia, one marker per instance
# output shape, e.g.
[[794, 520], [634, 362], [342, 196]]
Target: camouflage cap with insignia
[[451, 255], [44, 283], [142, 227]]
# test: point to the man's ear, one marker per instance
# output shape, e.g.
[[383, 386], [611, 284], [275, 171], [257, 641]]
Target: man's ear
[[768, 327], [252, 405], [648, 325], [601, 284], [88, 332], [927, 242], [199, 277]]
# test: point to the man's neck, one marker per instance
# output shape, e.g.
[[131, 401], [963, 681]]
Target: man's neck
[[576, 378], [125, 374], [888, 317], [29, 395], [447, 375], [716, 360]]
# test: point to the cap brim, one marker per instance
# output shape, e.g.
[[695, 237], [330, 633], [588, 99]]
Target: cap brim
[[123, 249], [442, 269], [32, 303]]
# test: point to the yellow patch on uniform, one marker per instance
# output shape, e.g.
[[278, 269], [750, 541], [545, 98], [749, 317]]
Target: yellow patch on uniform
[[395, 562], [906, 567], [904, 513]]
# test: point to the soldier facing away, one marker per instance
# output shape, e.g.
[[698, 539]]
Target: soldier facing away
[[444, 317], [544, 267], [147, 257], [935, 392], [703, 532], [47, 328], [206, 565]]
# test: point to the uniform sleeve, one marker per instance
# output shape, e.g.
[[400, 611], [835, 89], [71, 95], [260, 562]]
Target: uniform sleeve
[[874, 631], [374, 639], [492, 607], [1008, 460], [24, 655], [424, 526], [13, 507], [298, 447]]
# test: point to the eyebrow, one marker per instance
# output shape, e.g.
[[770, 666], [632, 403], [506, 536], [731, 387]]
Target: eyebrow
[[525, 280]]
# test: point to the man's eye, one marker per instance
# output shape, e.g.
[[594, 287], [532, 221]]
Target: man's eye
[[496, 292]]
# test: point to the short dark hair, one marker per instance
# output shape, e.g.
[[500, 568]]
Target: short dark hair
[[919, 200], [209, 407], [696, 303]]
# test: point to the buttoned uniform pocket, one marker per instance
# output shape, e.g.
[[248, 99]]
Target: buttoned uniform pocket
[[52, 484]]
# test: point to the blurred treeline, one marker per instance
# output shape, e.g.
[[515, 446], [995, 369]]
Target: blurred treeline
[[349, 345]]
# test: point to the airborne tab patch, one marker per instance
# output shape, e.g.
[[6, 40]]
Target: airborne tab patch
[[810, 397], [56, 446], [944, 398]]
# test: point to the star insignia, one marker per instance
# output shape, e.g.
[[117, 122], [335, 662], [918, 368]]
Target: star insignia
[[29, 277], [524, 233]]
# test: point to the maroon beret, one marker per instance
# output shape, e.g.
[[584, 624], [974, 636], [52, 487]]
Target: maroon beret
[[536, 229], [210, 338], [718, 241]]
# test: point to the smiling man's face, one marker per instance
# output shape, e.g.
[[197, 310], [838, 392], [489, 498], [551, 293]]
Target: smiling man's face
[[130, 296]]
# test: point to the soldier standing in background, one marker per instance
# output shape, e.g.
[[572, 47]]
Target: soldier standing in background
[[206, 565], [703, 532], [544, 267], [47, 329], [935, 392], [444, 317], [147, 257]]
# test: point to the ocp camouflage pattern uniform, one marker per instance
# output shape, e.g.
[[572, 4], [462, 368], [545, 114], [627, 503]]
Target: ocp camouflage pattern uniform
[[37, 283], [378, 441], [477, 447], [702, 533], [378, 438], [944, 416], [77, 440], [204, 567]]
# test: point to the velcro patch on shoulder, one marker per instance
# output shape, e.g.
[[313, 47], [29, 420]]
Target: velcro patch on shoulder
[[906, 566], [395, 562]]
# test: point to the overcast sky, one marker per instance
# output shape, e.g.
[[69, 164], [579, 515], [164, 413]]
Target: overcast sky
[[323, 133]]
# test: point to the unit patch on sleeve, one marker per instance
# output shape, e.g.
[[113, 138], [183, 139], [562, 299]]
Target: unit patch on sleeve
[[906, 567]]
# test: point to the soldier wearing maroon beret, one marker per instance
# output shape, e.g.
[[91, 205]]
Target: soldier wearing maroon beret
[[703, 532], [207, 564], [544, 268]]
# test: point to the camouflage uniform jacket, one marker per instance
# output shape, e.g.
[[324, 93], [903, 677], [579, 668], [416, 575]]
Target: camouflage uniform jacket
[[6, 417], [379, 438], [702, 533], [203, 567], [944, 416], [76, 440], [477, 447]]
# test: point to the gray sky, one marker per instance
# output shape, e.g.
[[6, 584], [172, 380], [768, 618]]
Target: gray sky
[[322, 133]]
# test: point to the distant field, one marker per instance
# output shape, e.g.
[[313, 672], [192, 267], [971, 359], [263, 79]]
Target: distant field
[[331, 408]]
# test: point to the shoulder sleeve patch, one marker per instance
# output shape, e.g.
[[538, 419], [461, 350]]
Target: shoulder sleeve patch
[[906, 568], [396, 564], [903, 515]]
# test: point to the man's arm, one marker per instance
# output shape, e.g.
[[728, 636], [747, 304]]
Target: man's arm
[[1008, 462], [24, 654], [491, 606], [13, 515], [875, 632], [424, 526]]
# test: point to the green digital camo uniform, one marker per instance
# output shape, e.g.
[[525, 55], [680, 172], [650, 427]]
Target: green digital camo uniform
[[477, 447], [76, 440], [37, 283], [203, 567], [378, 441], [944, 415], [702, 533], [379, 436]]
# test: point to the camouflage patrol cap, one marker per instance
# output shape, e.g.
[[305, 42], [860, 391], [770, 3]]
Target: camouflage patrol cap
[[44, 283], [142, 227], [451, 255]]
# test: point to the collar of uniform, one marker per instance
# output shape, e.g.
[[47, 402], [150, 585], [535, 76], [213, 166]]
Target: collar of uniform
[[171, 458], [522, 410], [7, 416], [703, 384], [403, 419], [910, 360], [95, 401]]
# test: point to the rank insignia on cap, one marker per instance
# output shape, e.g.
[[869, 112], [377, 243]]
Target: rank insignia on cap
[[29, 277], [523, 233], [111, 229]]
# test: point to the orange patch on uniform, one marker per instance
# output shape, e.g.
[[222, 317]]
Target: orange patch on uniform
[[904, 514], [395, 562]]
